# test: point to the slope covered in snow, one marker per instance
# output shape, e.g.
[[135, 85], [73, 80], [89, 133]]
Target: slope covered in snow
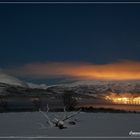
[[93, 87], [7, 79], [37, 86]]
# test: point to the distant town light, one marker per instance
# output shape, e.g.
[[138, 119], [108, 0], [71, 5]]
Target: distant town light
[[123, 100]]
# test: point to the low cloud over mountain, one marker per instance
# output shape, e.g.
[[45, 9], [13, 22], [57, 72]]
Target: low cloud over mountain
[[123, 70]]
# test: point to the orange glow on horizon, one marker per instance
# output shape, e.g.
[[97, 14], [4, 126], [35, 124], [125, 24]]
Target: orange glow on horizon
[[125, 70]]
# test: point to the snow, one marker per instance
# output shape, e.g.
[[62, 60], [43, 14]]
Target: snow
[[7, 79], [38, 86], [99, 82], [93, 87], [89, 124]]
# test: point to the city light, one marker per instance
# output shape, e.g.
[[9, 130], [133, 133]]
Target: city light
[[117, 99]]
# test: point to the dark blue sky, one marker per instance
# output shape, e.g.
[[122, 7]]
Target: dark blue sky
[[96, 33]]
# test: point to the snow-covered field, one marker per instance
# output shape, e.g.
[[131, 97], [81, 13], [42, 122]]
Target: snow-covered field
[[88, 124]]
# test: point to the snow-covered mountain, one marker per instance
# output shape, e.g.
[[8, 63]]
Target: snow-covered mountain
[[11, 80], [80, 87], [93, 87], [7, 79]]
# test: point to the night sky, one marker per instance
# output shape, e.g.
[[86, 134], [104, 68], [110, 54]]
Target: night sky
[[87, 33]]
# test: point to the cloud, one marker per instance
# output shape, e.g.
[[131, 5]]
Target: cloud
[[123, 70]]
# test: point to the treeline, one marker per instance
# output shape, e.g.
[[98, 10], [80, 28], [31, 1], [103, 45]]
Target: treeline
[[105, 110], [58, 103]]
